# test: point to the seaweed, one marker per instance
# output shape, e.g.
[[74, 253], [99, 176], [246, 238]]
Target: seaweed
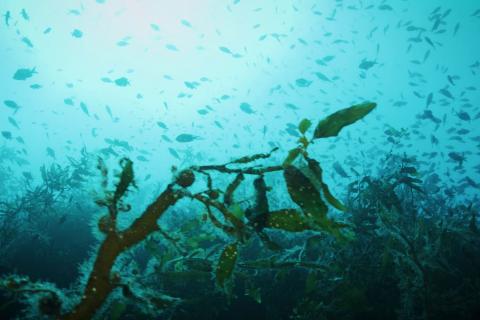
[[103, 279]]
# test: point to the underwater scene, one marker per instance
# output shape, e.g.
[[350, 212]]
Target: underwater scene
[[240, 159]]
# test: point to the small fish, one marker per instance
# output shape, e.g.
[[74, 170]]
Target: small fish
[[450, 79], [339, 169], [77, 33], [322, 77], [292, 130], [162, 125], [469, 181], [7, 135], [186, 23], [291, 106], [62, 219], [457, 157], [429, 41], [23, 74], [122, 82], [35, 86], [171, 47], [400, 103], [446, 93], [385, 7], [191, 85], [27, 42], [25, 15], [303, 83], [7, 17], [366, 64], [74, 12], [109, 111], [247, 108], [84, 108], [457, 27], [185, 137], [464, 116], [50, 152], [13, 122], [429, 99], [68, 101], [225, 50], [119, 143], [27, 175], [12, 105], [155, 27], [46, 31]]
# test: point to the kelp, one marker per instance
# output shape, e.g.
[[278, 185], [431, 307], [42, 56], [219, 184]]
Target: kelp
[[226, 264], [304, 125], [315, 168], [303, 192], [334, 123], [248, 159], [126, 179], [258, 214], [288, 220], [292, 156]]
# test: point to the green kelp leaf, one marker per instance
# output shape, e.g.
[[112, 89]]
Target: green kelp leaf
[[331, 125], [117, 308], [334, 202], [292, 155], [339, 230], [253, 292], [267, 242], [316, 169], [226, 264], [126, 179], [288, 220], [304, 194], [311, 281], [472, 226], [304, 125], [237, 211]]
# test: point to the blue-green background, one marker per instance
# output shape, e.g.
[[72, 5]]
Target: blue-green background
[[160, 45]]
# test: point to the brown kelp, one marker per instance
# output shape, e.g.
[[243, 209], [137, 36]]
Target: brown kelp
[[239, 226]]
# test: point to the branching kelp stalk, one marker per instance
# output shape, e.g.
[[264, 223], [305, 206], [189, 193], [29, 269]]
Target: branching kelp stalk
[[305, 186]]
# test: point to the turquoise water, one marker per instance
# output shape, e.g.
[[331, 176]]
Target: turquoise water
[[185, 83]]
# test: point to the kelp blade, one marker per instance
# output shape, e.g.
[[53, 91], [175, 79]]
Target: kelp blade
[[304, 194], [334, 123], [288, 220], [226, 264]]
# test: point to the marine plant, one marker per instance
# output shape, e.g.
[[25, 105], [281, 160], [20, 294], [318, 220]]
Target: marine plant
[[305, 186]]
